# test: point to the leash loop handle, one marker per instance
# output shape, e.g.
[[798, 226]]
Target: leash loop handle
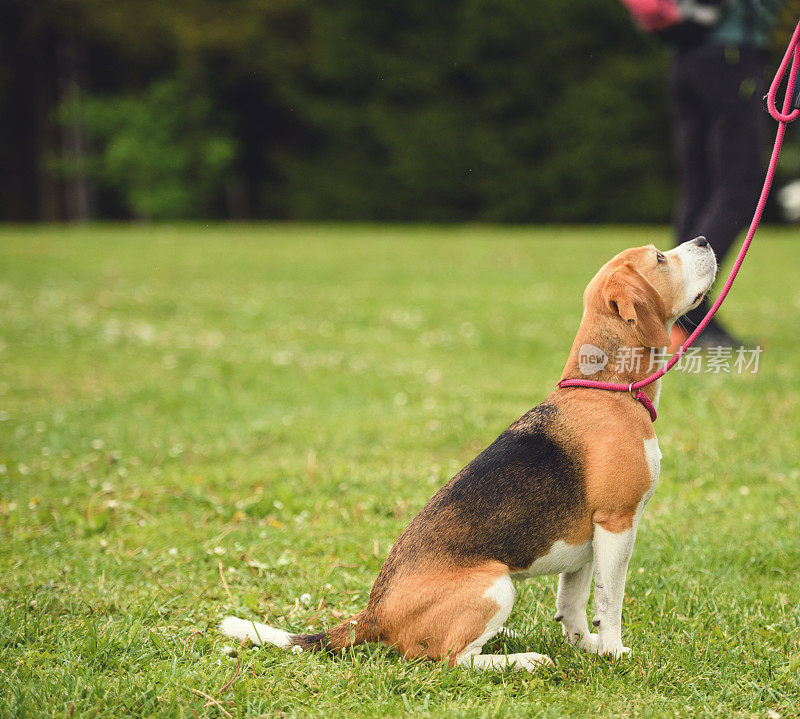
[[791, 54]]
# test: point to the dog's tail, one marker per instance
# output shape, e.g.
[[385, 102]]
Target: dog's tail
[[357, 630]]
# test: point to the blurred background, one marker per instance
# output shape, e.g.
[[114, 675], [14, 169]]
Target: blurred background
[[499, 110]]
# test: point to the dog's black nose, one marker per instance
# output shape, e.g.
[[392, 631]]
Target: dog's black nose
[[701, 241]]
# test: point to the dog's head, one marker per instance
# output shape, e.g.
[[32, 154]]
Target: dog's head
[[642, 291]]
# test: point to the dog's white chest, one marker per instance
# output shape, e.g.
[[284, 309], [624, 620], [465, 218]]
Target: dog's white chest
[[562, 557]]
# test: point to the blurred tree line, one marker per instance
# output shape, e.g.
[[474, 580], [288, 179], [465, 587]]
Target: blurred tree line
[[494, 110]]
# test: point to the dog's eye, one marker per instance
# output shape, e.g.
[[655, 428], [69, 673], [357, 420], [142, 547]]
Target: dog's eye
[[660, 257]]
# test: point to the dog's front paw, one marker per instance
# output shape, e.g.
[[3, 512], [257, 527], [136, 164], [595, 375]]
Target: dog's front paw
[[579, 637], [589, 643], [615, 650], [583, 640]]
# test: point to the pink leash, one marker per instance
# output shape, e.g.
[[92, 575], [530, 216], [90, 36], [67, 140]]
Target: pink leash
[[782, 118]]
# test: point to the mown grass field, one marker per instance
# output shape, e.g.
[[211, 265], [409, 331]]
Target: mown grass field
[[202, 420]]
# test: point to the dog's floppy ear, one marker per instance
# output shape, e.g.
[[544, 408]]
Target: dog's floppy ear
[[635, 300]]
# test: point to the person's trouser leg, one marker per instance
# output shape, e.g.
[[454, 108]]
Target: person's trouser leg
[[690, 128], [730, 83]]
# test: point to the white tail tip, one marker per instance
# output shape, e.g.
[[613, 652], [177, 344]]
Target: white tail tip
[[243, 629]]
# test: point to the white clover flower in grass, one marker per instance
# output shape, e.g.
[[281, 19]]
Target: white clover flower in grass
[[296, 649], [305, 599]]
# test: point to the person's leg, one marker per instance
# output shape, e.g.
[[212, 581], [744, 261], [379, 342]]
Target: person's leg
[[690, 123], [730, 80]]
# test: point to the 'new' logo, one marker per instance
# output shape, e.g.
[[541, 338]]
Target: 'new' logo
[[591, 359]]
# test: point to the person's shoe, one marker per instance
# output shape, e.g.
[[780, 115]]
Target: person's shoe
[[677, 337], [717, 336], [714, 335]]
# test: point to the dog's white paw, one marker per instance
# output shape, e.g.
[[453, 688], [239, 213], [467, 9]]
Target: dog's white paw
[[580, 638], [529, 661], [589, 643], [614, 650]]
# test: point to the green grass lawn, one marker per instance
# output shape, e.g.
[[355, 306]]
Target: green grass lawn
[[198, 420]]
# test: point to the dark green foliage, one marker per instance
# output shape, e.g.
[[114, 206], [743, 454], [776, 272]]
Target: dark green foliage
[[477, 110], [159, 149], [458, 110]]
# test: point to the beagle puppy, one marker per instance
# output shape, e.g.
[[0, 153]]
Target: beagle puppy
[[560, 491]]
